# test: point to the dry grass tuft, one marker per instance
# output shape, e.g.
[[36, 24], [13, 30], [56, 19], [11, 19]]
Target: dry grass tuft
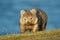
[[42, 35]]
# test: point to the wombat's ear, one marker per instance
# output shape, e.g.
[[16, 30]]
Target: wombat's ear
[[33, 11], [22, 12]]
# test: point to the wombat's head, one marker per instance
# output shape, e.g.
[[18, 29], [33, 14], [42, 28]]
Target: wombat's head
[[28, 17]]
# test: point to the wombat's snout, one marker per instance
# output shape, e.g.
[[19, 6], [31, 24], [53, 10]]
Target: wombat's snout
[[28, 22]]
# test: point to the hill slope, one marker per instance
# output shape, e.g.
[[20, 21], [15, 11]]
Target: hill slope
[[42, 35]]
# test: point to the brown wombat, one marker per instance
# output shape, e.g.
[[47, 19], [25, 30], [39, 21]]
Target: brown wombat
[[33, 20]]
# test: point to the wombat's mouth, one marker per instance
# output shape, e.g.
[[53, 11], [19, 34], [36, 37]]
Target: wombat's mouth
[[29, 24]]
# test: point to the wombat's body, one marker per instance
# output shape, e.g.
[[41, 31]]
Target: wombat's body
[[33, 20]]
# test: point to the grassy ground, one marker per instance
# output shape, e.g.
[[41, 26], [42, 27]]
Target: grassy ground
[[42, 35]]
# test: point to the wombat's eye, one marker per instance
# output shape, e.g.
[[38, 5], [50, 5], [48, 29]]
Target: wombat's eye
[[31, 18], [24, 18]]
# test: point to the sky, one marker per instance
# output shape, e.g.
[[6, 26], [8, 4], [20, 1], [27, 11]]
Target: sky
[[10, 13]]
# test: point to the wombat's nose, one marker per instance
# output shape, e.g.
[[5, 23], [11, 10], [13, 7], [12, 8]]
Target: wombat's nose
[[28, 22]]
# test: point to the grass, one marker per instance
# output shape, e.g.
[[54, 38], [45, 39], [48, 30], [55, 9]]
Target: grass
[[42, 35]]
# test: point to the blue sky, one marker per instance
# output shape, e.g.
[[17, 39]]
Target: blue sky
[[10, 12]]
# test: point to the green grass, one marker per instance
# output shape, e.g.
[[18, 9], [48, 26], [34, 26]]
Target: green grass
[[42, 35]]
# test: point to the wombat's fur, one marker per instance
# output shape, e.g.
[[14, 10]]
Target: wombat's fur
[[33, 20]]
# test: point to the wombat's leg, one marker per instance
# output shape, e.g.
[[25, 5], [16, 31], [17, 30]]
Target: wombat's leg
[[44, 25], [35, 28], [22, 28]]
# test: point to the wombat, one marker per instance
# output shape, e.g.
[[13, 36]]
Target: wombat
[[33, 20]]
